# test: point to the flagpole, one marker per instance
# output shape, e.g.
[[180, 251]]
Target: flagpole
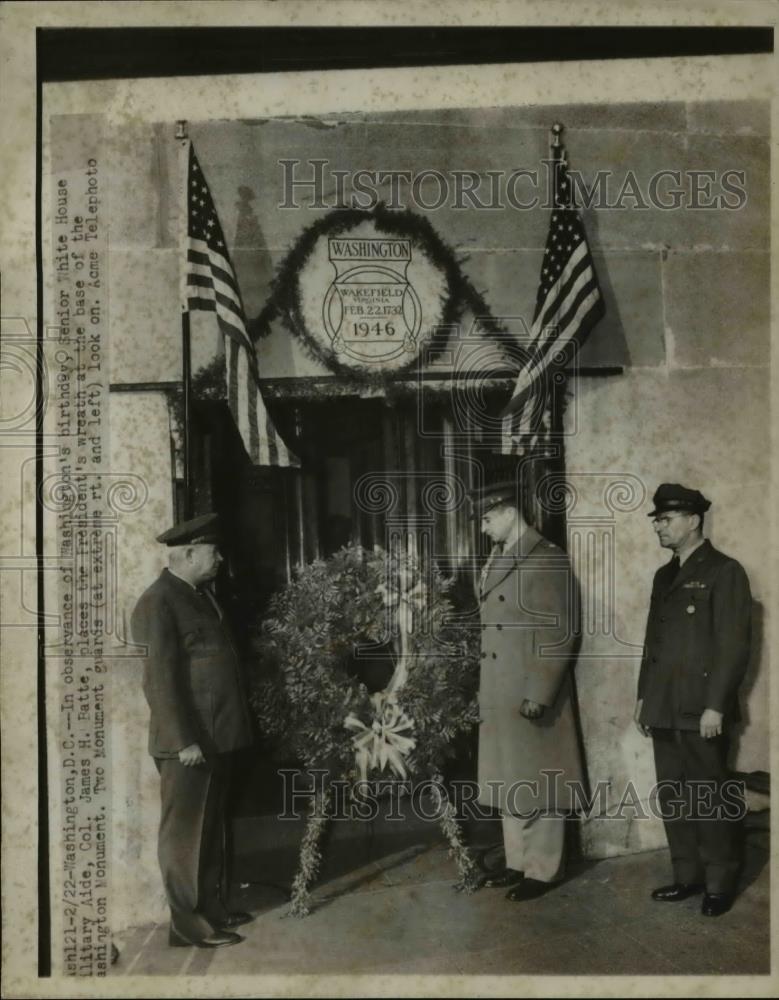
[[186, 347], [557, 150], [187, 380], [554, 444]]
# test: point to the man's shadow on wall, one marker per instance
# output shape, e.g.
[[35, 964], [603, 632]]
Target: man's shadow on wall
[[755, 830]]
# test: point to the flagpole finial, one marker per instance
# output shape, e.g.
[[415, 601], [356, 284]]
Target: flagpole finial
[[181, 129], [557, 131]]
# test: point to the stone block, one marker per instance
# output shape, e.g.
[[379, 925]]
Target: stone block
[[143, 188], [657, 117], [749, 117], [145, 315], [717, 307], [617, 219], [674, 429], [744, 227]]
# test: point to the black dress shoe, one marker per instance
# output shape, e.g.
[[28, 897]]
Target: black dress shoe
[[529, 888], [235, 919], [677, 891], [219, 939], [503, 880], [716, 903]]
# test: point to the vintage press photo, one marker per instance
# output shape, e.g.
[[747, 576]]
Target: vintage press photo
[[403, 480]]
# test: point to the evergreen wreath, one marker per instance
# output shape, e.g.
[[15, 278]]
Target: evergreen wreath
[[310, 698], [284, 302]]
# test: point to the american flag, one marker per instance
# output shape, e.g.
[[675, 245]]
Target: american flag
[[211, 285], [568, 305]]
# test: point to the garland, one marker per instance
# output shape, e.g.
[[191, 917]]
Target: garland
[[310, 854], [466, 866], [285, 303], [311, 696]]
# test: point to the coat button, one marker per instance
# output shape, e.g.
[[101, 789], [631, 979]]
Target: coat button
[[654, 659], [662, 618], [494, 656], [484, 654], [499, 628], [501, 597], [705, 673]]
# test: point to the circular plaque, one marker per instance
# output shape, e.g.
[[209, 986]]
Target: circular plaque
[[369, 299]]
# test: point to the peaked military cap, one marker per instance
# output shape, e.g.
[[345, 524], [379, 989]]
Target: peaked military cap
[[197, 529], [487, 497], [673, 496]]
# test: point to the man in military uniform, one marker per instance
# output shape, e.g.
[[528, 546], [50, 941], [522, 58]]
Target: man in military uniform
[[528, 744], [695, 655], [199, 716]]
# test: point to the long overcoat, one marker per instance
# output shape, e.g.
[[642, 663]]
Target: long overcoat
[[528, 595], [697, 640], [192, 677]]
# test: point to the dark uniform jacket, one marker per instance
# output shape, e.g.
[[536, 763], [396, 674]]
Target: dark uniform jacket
[[527, 609], [697, 640], [192, 678]]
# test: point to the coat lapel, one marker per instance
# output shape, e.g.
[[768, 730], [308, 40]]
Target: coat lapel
[[508, 560]]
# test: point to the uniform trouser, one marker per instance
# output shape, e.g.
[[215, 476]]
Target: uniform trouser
[[191, 844], [704, 843], [535, 845]]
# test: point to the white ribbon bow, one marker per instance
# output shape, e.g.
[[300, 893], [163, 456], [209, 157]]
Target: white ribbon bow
[[383, 742]]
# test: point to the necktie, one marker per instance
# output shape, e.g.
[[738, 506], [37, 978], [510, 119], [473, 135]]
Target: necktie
[[675, 566], [206, 593], [496, 550]]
